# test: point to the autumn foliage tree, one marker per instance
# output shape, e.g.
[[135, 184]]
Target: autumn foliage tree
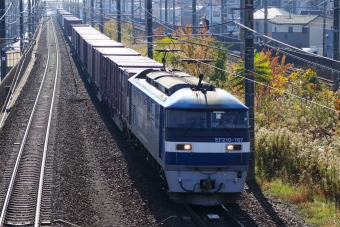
[[202, 46], [269, 73]]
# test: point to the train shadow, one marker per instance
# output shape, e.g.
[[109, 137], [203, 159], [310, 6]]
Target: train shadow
[[267, 206]]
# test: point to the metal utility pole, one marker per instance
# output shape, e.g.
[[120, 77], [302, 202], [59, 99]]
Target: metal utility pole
[[84, 11], [336, 30], [211, 12], [248, 18], [101, 26], [133, 16], [173, 13], [29, 17], [92, 13], [194, 16], [33, 16], [222, 18], [324, 30], [3, 38], [242, 6], [140, 9], [265, 18], [166, 11], [119, 25], [149, 27], [166, 15], [160, 9], [78, 9], [336, 43], [21, 21]]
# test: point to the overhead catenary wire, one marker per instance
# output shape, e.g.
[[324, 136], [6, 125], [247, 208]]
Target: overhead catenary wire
[[164, 22], [6, 11], [258, 33], [268, 46], [285, 44], [234, 74], [266, 85], [138, 23]]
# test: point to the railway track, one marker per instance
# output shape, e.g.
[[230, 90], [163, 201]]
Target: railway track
[[216, 216], [26, 188]]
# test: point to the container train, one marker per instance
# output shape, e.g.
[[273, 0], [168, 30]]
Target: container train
[[195, 133]]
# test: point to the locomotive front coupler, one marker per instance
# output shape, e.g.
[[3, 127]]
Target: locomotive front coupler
[[207, 184]]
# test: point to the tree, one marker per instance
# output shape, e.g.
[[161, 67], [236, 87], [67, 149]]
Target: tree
[[203, 46], [269, 73]]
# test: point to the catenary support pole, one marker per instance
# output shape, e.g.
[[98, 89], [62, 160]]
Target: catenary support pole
[[29, 19], [173, 14], [194, 24], [336, 44], [149, 28], [249, 79], [265, 18], [3, 38], [160, 9], [92, 14], [324, 30], [101, 25], [84, 11], [166, 15], [22, 35], [78, 9], [119, 22]]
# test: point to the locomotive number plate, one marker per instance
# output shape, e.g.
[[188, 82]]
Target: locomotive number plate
[[228, 140]]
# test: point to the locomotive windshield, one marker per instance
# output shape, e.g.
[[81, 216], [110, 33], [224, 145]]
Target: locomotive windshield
[[206, 119], [214, 123], [185, 119]]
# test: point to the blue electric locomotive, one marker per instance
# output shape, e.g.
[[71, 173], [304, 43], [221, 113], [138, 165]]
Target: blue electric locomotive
[[197, 133]]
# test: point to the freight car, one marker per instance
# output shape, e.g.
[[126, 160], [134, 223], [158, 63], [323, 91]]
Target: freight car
[[195, 133]]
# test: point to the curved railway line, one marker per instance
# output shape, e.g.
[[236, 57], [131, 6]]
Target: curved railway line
[[27, 198]]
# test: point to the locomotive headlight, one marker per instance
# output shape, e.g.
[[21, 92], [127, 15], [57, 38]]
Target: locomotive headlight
[[233, 147], [185, 147]]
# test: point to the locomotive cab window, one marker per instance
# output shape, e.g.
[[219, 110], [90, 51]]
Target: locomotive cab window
[[201, 122], [223, 119], [185, 119]]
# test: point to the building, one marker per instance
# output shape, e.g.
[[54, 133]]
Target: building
[[301, 31], [296, 6], [259, 19]]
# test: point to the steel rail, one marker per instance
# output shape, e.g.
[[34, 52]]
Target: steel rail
[[13, 177], [231, 217], [199, 221], [41, 182]]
